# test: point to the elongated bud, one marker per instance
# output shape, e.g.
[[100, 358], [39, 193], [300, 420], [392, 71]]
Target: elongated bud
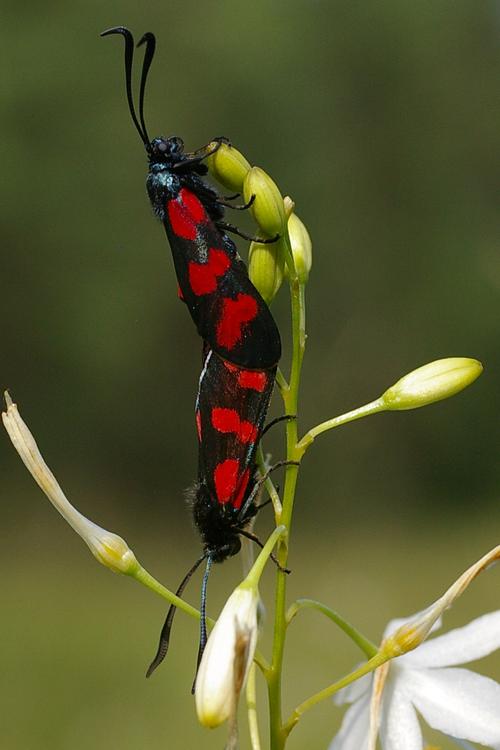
[[289, 206], [267, 209], [266, 268], [301, 247], [227, 658], [228, 166], [432, 382], [108, 548], [413, 632]]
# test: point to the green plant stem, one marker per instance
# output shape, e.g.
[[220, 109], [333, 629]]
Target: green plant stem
[[374, 407], [372, 664], [142, 575], [268, 484], [251, 696], [368, 648], [290, 397], [281, 380], [257, 568]]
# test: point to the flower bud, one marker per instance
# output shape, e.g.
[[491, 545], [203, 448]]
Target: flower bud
[[267, 209], [432, 382], [416, 629], [289, 206], [266, 268], [301, 247], [227, 658], [228, 167], [108, 548]]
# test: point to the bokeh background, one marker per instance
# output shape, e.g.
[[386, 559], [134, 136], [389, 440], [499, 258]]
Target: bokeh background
[[381, 120]]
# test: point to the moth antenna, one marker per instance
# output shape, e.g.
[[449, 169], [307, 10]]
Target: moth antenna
[[150, 40], [167, 627], [203, 619], [129, 57]]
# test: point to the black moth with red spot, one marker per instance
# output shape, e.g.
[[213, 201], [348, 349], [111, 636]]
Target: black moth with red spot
[[230, 413], [241, 340]]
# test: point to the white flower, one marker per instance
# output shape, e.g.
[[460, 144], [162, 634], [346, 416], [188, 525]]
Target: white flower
[[427, 682], [227, 657]]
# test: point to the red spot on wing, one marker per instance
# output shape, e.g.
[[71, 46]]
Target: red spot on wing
[[235, 314], [180, 221], [198, 424], [185, 213], [241, 489], [203, 276], [226, 478], [225, 420], [253, 380], [228, 420], [194, 207], [179, 293]]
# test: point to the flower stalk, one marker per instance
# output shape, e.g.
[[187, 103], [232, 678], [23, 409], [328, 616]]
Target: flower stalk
[[108, 548], [368, 648]]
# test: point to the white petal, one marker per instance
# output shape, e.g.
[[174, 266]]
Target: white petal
[[399, 727], [475, 640], [457, 702], [353, 734], [355, 690]]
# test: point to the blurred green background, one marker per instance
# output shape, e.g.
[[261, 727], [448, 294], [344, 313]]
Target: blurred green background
[[381, 120]]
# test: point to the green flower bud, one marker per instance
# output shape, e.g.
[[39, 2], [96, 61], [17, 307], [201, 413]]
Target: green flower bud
[[266, 268], [432, 382], [301, 247], [267, 209], [228, 167]]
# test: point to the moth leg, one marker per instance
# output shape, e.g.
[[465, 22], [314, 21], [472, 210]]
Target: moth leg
[[263, 505], [275, 466], [244, 207], [284, 418], [195, 157], [225, 227], [254, 538]]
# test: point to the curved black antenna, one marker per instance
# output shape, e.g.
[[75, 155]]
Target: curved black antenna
[[129, 56], [203, 619], [167, 627], [150, 40]]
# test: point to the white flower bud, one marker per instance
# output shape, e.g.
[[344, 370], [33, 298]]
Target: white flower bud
[[416, 629], [108, 548], [432, 382], [301, 247], [288, 205], [227, 657]]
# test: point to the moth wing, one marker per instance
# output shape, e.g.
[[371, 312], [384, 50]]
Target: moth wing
[[231, 410]]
